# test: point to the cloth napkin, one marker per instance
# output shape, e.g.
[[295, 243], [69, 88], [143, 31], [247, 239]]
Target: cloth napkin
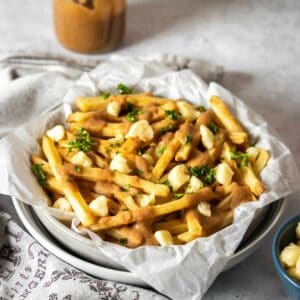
[[28, 271]]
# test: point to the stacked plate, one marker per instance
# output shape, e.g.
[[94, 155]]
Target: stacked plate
[[82, 254]]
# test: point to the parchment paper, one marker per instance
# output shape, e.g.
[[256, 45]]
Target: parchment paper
[[180, 272]]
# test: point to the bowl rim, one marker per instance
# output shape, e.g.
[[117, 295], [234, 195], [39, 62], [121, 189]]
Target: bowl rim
[[275, 250]]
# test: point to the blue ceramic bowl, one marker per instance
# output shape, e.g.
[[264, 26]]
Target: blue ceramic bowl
[[285, 235]]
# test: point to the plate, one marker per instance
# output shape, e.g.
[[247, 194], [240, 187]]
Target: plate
[[38, 231]]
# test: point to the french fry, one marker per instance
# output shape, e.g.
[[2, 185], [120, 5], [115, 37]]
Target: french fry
[[174, 226], [70, 189], [150, 212], [224, 115], [251, 180], [195, 229]]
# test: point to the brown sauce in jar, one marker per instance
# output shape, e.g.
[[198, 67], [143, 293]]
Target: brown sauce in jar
[[89, 26]]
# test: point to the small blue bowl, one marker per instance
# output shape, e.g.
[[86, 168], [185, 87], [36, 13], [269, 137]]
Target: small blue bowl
[[285, 235]]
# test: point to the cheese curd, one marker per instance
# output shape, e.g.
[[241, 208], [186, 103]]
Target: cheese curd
[[164, 237], [289, 255], [194, 185], [204, 209], [146, 200], [119, 163], [187, 110], [81, 159], [178, 177], [224, 173], [62, 204], [114, 108], [141, 129], [207, 137], [99, 206], [56, 133]]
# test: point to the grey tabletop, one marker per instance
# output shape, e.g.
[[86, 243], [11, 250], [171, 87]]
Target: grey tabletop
[[257, 42]]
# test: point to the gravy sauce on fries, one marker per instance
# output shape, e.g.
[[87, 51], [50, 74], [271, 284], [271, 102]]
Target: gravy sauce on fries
[[143, 170]]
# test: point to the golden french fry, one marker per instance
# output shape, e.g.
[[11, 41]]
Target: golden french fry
[[224, 115], [251, 180], [174, 226], [70, 189]]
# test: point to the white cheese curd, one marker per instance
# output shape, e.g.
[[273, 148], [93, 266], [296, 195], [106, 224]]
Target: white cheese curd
[[114, 108], [178, 177], [187, 110], [207, 137], [204, 209], [81, 159], [146, 200], [119, 163], [194, 185], [141, 129], [289, 255], [224, 173], [62, 204], [99, 206], [56, 133], [164, 237]]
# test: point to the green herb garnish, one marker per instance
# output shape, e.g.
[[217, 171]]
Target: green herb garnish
[[104, 95], [213, 127], [77, 169], [132, 116], [179, 195], [205, 173], [166, 129], [39, 174], [173, 114], [123, 89], [83, 141], [123, 242], [187, 139], [201, 108], [240, 156], [161, 150], [106, 150]]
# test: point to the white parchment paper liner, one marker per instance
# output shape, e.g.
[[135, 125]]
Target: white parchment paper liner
[[180, 272]]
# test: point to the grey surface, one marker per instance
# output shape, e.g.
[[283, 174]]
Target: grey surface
[[258, 43]]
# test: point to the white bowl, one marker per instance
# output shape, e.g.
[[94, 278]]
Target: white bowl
[[111, 271], [87, 250]]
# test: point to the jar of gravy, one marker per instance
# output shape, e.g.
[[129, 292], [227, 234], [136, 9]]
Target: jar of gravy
[[89, 26]]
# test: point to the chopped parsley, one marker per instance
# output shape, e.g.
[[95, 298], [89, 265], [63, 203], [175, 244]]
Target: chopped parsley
[[187, 139], [123, 242], [77, 169], [161, 150], [39, 174], [123, 89], [166, 129], [115, 144], [106, 151], [104, 95], [179, 195], [213, 127], [83, 141], [132, 116], [173, 114], [242, 157], [205, 173]]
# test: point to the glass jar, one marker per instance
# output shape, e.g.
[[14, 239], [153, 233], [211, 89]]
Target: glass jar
[[89, 26]]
